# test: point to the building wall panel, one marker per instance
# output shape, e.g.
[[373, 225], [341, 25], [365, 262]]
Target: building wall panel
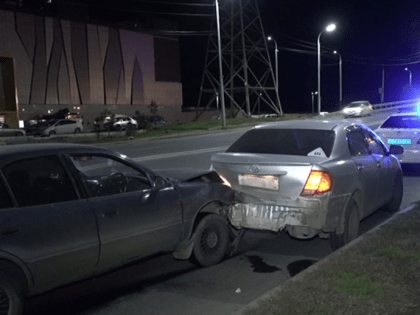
[[95, 65], [59, 62]]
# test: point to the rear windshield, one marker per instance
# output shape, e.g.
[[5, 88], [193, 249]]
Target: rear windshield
[[404, 122], [305, 142]]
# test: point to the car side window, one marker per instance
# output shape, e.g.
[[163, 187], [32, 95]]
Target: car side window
[[104, 175], [5, 200], [39, 181], [357, 142], [375, 145]]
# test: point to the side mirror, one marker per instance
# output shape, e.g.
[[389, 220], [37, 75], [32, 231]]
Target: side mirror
[[396, 149], [160, 182]]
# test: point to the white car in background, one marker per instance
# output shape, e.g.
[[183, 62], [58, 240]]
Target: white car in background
[[58, 126], [358, 109], [120, 123], [404, 130]]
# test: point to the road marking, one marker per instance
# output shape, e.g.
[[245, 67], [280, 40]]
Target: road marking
[[169, 155]]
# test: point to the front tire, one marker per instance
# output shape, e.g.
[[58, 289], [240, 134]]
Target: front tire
[[52, 133], [211, 242], [11, 297], [351, 227], [397, 194], [77, 130]]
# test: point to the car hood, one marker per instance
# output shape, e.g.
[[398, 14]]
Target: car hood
[[190, 175]]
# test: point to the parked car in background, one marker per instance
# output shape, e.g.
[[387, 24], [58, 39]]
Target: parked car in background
[[358, 109], [69, 212], [6, 131], [56, 127], [157, 121], [402, 129], [120, 123], [310, 177]]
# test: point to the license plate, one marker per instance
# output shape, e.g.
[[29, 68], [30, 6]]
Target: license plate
[[260, 181], [399, 141]]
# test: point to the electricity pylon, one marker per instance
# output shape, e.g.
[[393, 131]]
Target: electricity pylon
[[249, 81]]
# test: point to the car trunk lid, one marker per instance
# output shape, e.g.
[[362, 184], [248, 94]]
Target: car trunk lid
[[264, 176]]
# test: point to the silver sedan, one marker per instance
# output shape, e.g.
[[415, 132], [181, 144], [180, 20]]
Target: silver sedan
[[310, 177]]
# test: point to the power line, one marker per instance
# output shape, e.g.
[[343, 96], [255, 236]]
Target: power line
[[174, 3]]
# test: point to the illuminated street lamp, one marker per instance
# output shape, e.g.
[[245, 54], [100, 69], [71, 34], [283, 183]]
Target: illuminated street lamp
[[340, 64], [313, 95], [222, 89], [276, 61], [410, 77], [329, 28]]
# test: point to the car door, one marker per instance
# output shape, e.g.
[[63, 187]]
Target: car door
[[383, 162], [135, 219], [366, 168], [50, 229], [66, 126]]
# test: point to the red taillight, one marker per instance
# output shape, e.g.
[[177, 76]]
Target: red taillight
[[318, 182]]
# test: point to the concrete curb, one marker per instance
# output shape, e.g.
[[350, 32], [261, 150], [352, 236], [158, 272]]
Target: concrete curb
[[316, 266]]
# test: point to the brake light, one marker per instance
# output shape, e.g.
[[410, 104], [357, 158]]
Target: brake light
[[318, 182]]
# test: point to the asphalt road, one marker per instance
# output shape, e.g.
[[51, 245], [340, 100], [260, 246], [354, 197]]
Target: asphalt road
[[163, 285]]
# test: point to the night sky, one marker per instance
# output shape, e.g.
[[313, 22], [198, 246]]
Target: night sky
[[370, 36]]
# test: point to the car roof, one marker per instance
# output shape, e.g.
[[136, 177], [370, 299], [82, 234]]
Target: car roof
[[404, 114], [359, 102], [38, 149], [307, 124]]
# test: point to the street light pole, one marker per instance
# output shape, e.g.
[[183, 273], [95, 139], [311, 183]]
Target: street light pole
[[410, 75], [340, 64], [313, 94], [329, 28], [276, 62], [222, 88]]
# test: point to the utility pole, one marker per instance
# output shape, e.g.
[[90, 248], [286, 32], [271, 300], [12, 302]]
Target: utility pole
[[249, 78], [382, 89]]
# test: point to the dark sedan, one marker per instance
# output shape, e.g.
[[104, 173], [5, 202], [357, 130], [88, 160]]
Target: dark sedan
[[68, 212]]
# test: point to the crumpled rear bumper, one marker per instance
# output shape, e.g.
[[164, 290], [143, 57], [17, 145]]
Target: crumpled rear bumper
[[303, 217]]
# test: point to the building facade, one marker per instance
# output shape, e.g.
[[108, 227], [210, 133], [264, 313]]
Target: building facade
[[48, 64]]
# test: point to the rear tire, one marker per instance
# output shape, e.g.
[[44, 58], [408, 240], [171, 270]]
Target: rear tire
[[211, 242], [11, 296], [52, 133], [77, 130], [351, 227], [397, 193]]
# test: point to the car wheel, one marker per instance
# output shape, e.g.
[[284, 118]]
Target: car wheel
[[77, 130], [52, 133], [212, 240], [351, 227], [118, 127], [11, 297], [397, 193], [19, 134]]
